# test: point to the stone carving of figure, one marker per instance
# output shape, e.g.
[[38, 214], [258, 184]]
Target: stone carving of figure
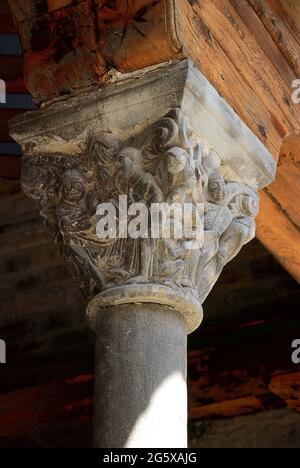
[[182, 177], [141, 187], [172, 256], [74, 210], [167, 164], [240, 230], [180, 257]]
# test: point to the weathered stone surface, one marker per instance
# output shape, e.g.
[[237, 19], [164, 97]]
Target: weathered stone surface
[[164, 165], [131, 103]]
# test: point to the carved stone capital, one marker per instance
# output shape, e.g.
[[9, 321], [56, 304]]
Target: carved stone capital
[[175, 157]]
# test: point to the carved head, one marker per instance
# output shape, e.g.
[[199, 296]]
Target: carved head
[[73, 186], [216, 188], [35, 179], [176, 159], [129, 159]]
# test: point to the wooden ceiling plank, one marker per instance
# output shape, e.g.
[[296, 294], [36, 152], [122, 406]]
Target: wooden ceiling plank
[[264, 39], [282, 35], [254, 65], [286, 191], [240, 406], [201, 45], [278, 235], [287, 387], [289, 12]]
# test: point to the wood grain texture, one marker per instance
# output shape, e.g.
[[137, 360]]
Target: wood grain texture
[[278, 234], [137, 34], [287, 387], [282, 19], [235, 62]]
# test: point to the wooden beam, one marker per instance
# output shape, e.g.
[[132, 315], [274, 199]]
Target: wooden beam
[[282, 20], [242, 62], [134, 35], [279, 235], [60, 48], [235, 62], [278, 224], [287, 387], [231, 408], [254, 73], [29, 409], [290, 150]]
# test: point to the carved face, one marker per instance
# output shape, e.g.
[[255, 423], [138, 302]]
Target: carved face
[[73, 188], [176, 160], [34, 180], [216, 189]]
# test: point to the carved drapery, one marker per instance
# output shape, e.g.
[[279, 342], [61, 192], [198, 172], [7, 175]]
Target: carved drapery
[[166, 163]]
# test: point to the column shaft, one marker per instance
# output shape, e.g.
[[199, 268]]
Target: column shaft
[[140, 378]]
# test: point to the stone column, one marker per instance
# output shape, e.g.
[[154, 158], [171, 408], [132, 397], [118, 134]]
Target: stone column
[[147, 408], [162, 135]]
